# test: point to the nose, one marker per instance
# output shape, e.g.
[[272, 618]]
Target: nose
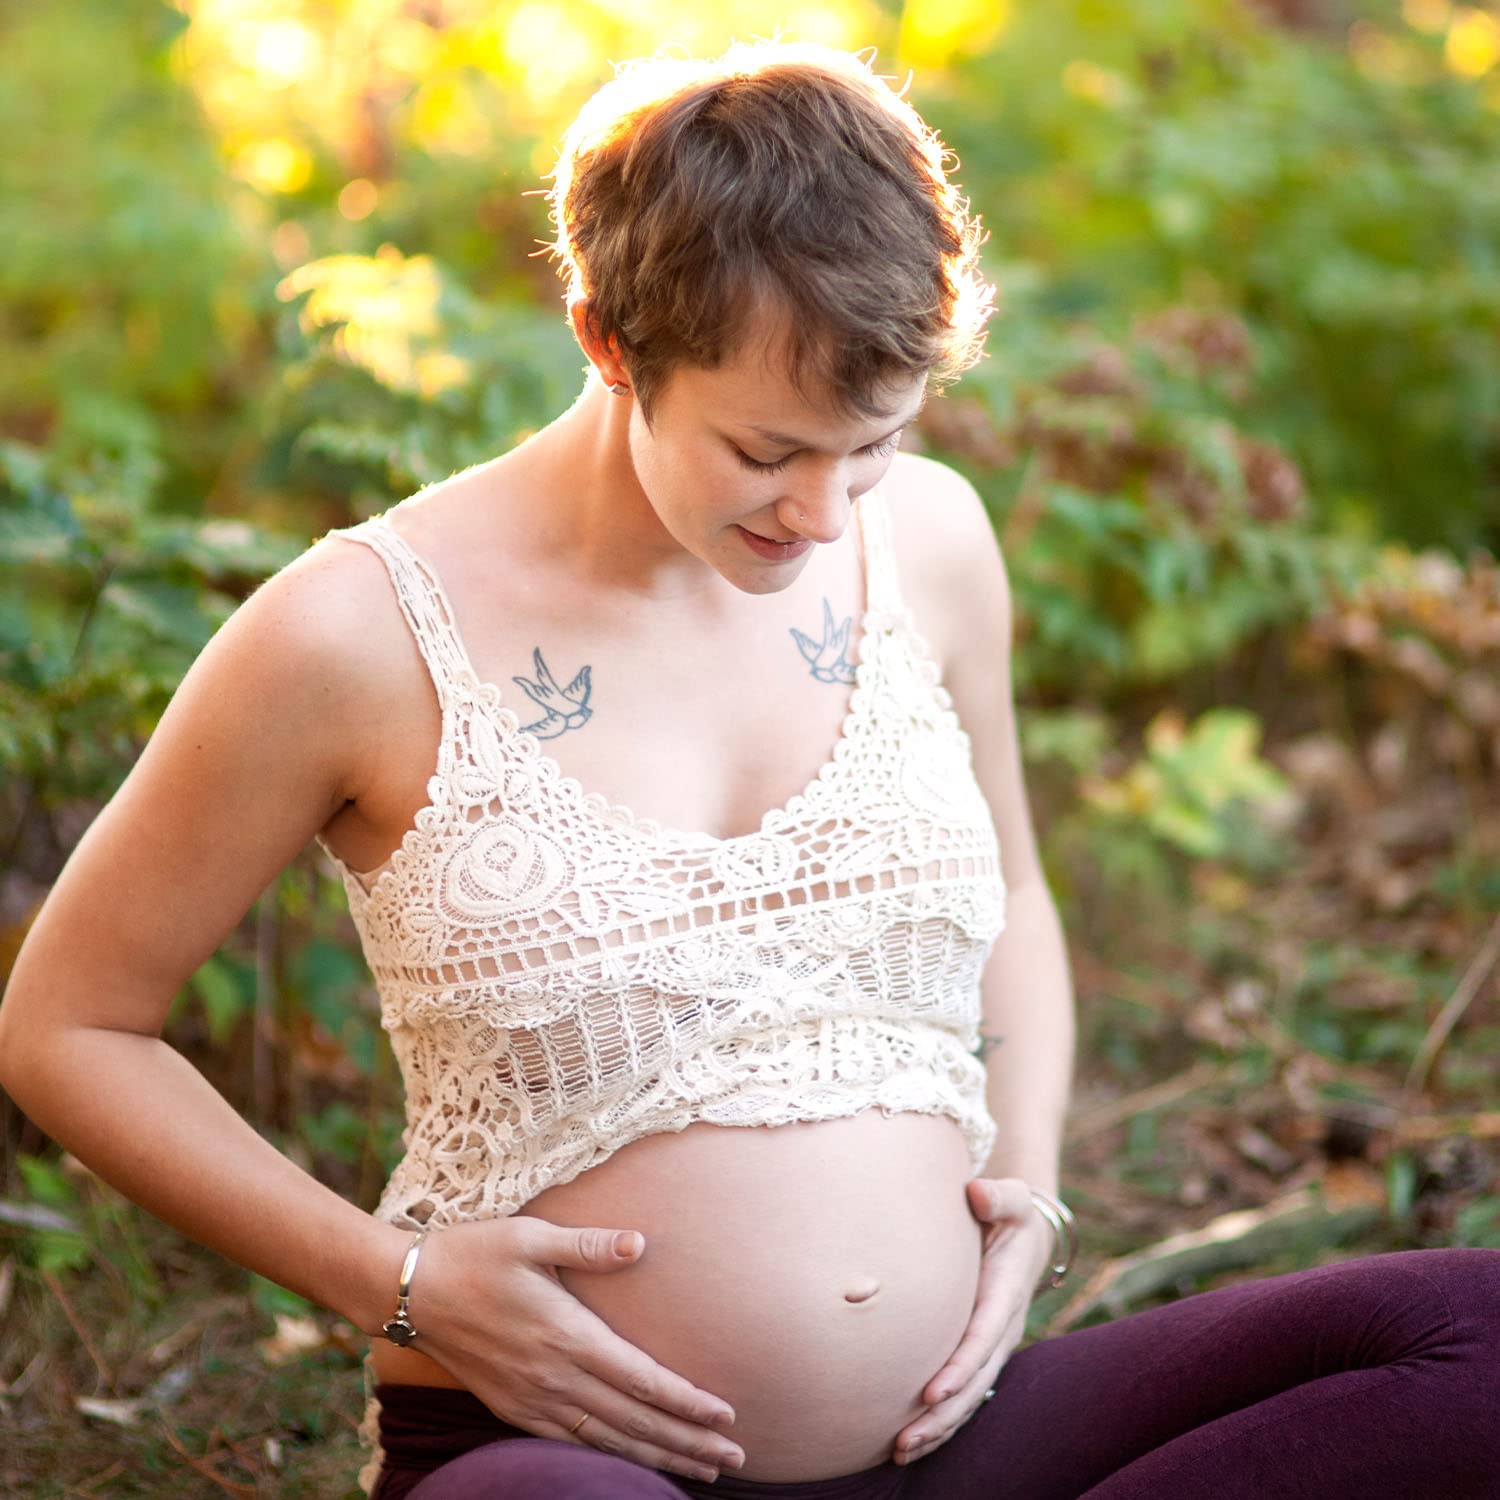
[[819, 513]]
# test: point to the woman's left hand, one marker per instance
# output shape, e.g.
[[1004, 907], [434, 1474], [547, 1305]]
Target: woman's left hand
[[1017, 1245]]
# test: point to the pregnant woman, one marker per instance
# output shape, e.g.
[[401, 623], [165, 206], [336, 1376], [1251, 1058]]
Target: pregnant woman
[[669, 762]]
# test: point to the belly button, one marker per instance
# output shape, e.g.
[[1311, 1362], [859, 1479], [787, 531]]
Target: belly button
[[862, 1290]]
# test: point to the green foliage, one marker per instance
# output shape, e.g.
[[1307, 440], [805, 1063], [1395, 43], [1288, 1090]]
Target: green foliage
[[337, 1132], [1190, 785], [124, 265], [1344, 211], [328, 983], [1246, 332], [104, 603], [54, 1247], [225, 988], [393, 376], [1478, 1223], [272, 1300]]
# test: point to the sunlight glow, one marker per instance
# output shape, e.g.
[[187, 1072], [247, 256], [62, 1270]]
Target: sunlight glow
[[283, 52], [549, 50]]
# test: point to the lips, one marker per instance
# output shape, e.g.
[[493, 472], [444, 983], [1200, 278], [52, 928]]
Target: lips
[[772, 550]]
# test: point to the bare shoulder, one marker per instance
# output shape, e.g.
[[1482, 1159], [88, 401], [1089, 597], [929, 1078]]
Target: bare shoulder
[[332, 617], [258, 747], [948, 554]]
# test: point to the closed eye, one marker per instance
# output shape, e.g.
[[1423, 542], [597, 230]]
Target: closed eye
[[875, 450]]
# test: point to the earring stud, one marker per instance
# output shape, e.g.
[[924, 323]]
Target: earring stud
[[619, 388]]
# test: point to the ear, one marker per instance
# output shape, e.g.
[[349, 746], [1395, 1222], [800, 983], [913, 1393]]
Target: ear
[[605, 358]]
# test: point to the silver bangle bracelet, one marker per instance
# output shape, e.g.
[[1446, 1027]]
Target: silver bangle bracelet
[[398, 1329], [1060, 1217]]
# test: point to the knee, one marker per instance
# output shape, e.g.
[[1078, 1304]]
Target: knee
[[543, 1469], [1469, 1279]]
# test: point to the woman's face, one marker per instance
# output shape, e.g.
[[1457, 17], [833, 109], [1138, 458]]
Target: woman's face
[[737, 450]]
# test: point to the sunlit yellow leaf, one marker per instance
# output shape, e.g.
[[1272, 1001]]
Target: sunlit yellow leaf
[[274, 166], [439, 371], [382, 304], [1473, 44], [934, 31], [445, 116]]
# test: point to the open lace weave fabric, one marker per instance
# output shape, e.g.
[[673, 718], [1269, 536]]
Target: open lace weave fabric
[[560, 977]]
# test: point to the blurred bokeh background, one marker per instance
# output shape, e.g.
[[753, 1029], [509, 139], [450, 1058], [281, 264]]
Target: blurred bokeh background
[[267, 266]]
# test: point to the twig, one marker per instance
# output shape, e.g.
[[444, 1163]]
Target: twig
[[205, 1468], [85, 1487], [1114, 1111], [1300, 1221], [1447, 1018], [1481, 1124], [65, 1302]]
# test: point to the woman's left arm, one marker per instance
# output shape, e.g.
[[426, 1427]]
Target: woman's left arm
[[1028, 1028]]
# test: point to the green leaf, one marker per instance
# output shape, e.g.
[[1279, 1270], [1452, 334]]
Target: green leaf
[[227, 992]]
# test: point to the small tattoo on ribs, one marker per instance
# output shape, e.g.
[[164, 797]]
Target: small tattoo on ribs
[[562, 708], [987, 1044], [828, 658]]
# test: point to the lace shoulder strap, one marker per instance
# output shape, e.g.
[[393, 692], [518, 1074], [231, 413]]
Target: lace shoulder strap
[[882, 586], [423, 600]]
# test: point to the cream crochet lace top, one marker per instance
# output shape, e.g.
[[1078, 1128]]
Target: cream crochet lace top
[[559, 977]]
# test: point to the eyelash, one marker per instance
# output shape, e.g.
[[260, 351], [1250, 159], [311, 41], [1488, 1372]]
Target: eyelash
[[877, 450]]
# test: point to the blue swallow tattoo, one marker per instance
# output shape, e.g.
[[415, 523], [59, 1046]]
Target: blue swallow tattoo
[[828, 658], [562, 708]]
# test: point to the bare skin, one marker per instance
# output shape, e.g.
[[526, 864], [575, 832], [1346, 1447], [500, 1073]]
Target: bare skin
[[671, 691]]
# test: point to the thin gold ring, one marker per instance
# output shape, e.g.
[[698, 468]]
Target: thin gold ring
[[579, 1423]]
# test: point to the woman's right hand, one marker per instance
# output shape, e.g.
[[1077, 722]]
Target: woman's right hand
[[490, 1308]]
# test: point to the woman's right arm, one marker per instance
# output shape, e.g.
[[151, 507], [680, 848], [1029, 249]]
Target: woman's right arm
[[259, 747], [255, 752]]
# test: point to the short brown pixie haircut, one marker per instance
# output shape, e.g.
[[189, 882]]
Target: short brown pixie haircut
[[692, 195]]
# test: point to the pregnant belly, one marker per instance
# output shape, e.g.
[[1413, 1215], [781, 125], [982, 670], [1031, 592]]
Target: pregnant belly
[[814, 1275]]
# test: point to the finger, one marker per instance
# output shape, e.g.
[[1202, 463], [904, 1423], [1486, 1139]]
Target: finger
[[994, 1198], [976, 1352], [994, 1320], [626, 1424], [620, 1365], [977, 1346], [597, 1433], [935, 1427]]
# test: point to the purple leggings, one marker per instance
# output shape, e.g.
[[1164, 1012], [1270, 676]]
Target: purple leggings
[[1376, 1378]]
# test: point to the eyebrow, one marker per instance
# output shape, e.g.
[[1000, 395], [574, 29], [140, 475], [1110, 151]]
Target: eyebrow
[[783, 440]]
